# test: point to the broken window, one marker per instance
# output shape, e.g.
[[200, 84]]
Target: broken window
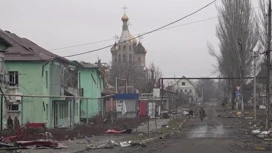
[[13, 78], [13, 107]]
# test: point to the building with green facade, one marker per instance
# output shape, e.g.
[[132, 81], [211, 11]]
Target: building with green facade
[[45, 85], [91, 85]]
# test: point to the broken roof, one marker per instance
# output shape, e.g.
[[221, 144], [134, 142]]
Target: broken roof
[[85, 64], [23, 49]]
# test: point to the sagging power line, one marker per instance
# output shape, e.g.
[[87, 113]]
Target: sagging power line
[[149, 32]]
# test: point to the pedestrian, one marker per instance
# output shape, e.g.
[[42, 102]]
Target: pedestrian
[[202, 113]]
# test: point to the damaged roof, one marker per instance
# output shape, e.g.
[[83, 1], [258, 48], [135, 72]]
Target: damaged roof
[[23, 49], [85, 64]]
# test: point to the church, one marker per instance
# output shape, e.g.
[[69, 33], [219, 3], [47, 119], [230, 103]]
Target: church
[[128, 50], [128, 58]]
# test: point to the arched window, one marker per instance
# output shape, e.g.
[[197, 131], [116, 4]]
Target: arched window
[[130, 58], [139, 59], [124, 48], [119, 58], [124, 58]]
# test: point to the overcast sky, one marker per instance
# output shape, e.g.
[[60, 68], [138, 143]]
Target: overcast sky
[[61, 23]]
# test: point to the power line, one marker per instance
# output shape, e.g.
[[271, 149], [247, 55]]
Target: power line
[[95, 50]]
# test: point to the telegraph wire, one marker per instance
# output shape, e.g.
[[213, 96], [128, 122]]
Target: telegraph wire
[[149, 32]]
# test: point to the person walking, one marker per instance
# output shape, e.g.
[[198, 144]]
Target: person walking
[[202, 114]]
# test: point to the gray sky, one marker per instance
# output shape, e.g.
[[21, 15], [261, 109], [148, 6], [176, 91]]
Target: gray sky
[[60, 23]]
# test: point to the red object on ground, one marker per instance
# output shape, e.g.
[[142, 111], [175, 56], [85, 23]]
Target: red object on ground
[[45, 143], [111, 131], [23, 132]]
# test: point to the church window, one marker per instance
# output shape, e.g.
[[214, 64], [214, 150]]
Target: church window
[[119, 58], [130, 58], [124, 48], [139, 59], [124, 58]]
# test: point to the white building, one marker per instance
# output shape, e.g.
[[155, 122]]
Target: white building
[[186, 87]]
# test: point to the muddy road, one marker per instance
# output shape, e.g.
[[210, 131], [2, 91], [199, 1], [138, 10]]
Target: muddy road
[[216, 134]]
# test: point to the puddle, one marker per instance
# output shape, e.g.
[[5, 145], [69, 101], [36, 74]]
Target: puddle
[[206, 131]]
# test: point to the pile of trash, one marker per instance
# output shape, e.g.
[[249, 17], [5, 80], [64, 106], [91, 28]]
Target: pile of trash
[[262, 134], [37, 144], [111, 144]]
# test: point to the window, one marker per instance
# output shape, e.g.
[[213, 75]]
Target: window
[[13, 78], [139, 59], [119, 58], [13, 107], [130, 58], [46, 79], [63, 110], [180, 90], [124, 58], [46, 107], [124, 48], [183, 83], [185, 90], [115, 59], [129, 48]]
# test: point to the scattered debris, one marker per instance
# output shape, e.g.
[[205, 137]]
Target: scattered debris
[[249, 117], [44, 143], [260, 148], [256, 131], [125, 144], [262, 107], [111, 131]]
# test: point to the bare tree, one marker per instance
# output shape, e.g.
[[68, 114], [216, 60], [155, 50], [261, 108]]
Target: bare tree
[[143, 79], [238, 35]]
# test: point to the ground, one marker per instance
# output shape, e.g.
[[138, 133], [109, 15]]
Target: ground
[[219, 132]]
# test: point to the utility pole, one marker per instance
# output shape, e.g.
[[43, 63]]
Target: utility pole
[[241, 76], [254, 94], [267, 123]]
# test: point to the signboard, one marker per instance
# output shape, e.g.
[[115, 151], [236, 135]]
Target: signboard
[[121, 107]]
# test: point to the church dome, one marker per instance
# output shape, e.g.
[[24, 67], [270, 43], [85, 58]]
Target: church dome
[[124, 18], [140, 48]]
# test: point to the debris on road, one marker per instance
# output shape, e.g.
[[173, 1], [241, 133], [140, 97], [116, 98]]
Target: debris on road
[[112, 131]]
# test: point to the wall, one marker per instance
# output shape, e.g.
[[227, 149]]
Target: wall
[[92, 83], [32, 81]]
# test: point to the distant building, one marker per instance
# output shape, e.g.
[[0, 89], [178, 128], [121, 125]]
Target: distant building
[[186, 87], [128, 57], [128, 50]]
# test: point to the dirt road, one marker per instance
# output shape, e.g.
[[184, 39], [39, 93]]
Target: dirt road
[[215, 134]]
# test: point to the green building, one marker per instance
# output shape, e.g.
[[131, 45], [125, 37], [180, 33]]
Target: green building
[[91, 85], [46, 82]]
